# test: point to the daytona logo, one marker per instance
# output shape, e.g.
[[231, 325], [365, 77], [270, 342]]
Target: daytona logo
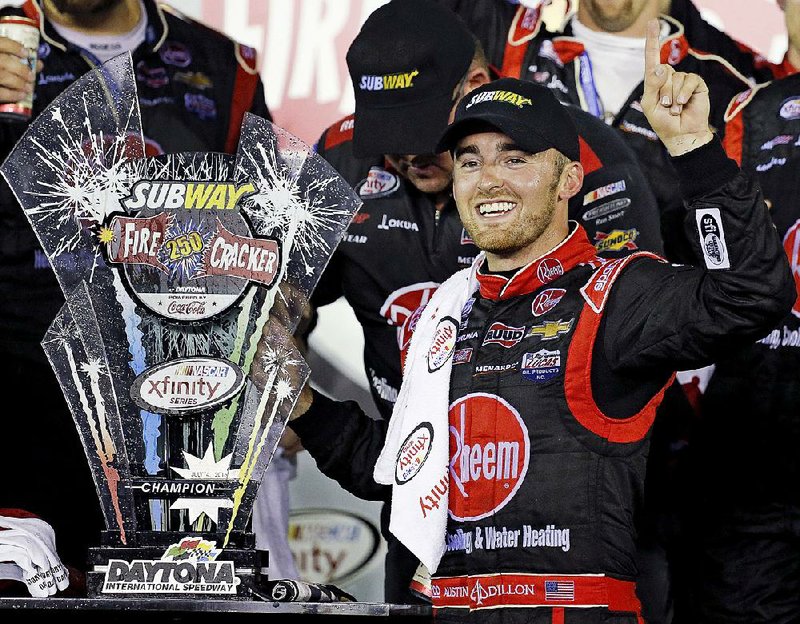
[[489, 451], [504, 335], [170, 577]]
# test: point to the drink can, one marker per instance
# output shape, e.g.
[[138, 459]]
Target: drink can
[[25, 31]]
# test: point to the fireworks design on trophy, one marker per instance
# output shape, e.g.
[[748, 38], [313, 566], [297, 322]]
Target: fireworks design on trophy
[[184, 275]]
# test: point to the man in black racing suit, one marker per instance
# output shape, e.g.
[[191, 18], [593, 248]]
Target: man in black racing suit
[[407, 237], [557, 363], [746, 462], [194, 85]]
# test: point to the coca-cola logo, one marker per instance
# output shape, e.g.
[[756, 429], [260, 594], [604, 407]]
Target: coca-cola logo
[[413, 453], [186, 308], [549, 269], [444, 341], [504, 335], [547, 300], [791, 243], [489, 452]]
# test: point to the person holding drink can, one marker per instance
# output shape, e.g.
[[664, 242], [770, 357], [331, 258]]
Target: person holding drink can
[[19, 44]]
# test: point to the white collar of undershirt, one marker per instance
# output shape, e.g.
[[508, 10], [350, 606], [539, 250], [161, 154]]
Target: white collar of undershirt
[[106, 46]]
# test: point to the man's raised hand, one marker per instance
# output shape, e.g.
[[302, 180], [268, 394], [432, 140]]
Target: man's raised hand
[[676, 103]]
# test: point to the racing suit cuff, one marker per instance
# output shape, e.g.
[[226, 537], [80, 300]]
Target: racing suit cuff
[[705, 169], [322, 421]]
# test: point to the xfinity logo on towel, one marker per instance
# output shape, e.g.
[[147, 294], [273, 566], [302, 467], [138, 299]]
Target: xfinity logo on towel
[[413, 453], [444, 341], [485, 472]]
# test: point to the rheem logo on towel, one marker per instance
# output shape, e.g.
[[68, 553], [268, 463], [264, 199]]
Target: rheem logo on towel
[[489, 450]]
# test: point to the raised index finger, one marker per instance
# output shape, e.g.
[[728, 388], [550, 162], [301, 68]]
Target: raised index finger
[[652, 48]]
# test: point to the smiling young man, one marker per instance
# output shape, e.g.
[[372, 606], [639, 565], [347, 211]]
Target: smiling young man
[[410, 63], [516, 450]]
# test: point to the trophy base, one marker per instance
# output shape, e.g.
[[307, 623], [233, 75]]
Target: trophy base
[[139, 571]]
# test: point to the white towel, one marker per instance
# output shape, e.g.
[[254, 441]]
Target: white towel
[[28, 544], [415, 456]]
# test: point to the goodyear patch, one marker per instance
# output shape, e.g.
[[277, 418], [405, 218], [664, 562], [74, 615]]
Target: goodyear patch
[[607, 209]]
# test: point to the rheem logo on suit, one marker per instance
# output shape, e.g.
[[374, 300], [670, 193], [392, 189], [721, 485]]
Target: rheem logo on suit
[[488, 456], [547, 300]]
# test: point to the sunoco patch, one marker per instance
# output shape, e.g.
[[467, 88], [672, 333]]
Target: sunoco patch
[[712, 238], [541, 366]]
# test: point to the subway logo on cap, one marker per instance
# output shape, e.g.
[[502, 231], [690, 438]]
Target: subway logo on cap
[[399, 80], [508, 97]]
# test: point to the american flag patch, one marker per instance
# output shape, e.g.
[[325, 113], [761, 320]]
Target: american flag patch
[[559, 590]]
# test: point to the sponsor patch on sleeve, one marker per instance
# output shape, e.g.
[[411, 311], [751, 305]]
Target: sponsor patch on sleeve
[[712, 238]]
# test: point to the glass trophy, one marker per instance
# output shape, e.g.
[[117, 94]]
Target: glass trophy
[[184, 276]]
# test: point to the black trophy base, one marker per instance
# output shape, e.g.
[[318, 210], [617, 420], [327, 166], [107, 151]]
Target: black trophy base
[[142, 571]]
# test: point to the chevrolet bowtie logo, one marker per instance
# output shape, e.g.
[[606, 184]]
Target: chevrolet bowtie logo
[[550, 329]]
